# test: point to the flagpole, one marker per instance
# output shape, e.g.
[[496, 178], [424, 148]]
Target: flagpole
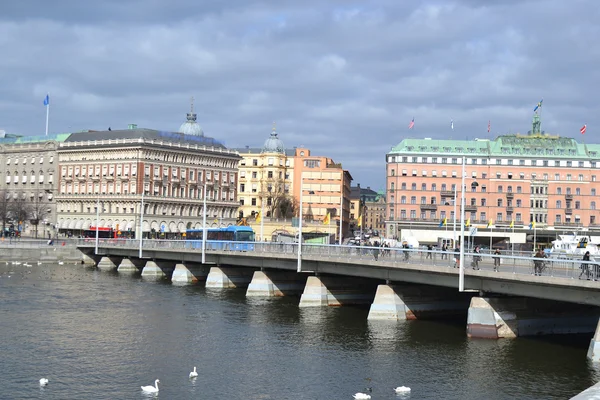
[[454, 221], [262, 217], [491, 236], [461, 273], [47, 112], [341, 208], [534, 237]]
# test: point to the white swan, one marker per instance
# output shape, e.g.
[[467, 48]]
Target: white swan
[[61, 262], [151, 389], [44, 382], [362, 396], [402, 389], [193, 374]]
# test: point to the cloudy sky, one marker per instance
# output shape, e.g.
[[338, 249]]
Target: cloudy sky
[[343, 78]]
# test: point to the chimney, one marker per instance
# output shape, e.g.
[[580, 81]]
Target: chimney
[[132, 126]]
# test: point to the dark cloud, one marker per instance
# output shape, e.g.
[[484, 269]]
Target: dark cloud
[[343, 78]]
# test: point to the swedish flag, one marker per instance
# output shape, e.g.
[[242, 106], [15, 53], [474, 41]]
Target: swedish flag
[[490, 223], [538, 105], [468, 223], [443, 222], [532, 225], [512, 223]]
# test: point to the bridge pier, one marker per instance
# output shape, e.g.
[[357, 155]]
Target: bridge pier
[[157, 269], [275, 284], [510, 317], [185, 273], [128, 266], [321, 291], [87, 260], [228, 277], [108, 263], [407, 302], [593, 353]]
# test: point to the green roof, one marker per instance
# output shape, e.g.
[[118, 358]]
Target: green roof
[[536, 145], [17, 139]]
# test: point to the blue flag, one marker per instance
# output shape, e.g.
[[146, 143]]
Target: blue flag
[[47, 100], [538, 105]]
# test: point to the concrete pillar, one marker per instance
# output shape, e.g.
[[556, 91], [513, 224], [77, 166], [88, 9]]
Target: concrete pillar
[[108, 263], [152, 271], [185, 273], [404, 301], [127, 267], [593, 353], [275, 284], [228, 277], [509, 317], [87, 260], [336, 291]]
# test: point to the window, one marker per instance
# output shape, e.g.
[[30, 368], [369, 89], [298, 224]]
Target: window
[[578, 191], [254, 175], [518, 218], [413, 199], [423, 200], [403, 186], [312, 163], [255, 163], [500, 189], [519, 202], [499, 202], [593, 205], [403, 200], [580, 177], [433, 187], [509, 189], [254, 201], [519, 190], [498, 175], [557, 177], [242, 187], [568, 177], [499, 217], [577, 205], [558, 204], [423, 186], [413, 186], [483, 202], [593, 192], [580, 164], [558, 219], [473, 201], [558, 190]]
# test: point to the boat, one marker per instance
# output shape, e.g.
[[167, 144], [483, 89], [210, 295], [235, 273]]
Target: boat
[[574, 245]]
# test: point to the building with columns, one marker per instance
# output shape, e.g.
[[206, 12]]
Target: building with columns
[[270, 180], [514, 182], [171, 173]]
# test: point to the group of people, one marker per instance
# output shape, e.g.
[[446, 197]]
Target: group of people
[[589, 270]]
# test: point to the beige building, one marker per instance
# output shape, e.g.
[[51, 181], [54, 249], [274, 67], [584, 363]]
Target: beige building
[[110, 168], [28, 168], [270, 179]]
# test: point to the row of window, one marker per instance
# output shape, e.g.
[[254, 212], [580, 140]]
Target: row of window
[[499, 175], [270, 175], [269, 187], [542, 190], [270, 162], [493, 161], [24, 160], [499, 202], [483, 217]]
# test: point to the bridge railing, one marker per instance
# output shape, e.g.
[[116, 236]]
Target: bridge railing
[[388, 256]]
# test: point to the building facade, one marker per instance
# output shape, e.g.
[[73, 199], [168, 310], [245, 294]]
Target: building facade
[[274, 180], [170, 173], [517, 181], [28, 170]]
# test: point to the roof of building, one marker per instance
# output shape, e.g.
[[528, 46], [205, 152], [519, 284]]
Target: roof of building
[[143, 133], [260, 150], [190, 126], [18, 139], [357, 192], [273, 144]]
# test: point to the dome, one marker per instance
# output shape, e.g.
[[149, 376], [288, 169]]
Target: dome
[[191, 127], [273, 144]]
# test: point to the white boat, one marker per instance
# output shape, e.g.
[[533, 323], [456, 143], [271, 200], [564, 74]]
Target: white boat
[[574, 245]]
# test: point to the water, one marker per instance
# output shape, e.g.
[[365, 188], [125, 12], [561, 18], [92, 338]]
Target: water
[[99, 335]]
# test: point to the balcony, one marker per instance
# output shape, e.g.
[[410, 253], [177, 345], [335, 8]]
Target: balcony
[[510, 210], [447, 193], [568, 211], [471, 208], [432, 207], [510, 195], [568, 197], [124, 177]]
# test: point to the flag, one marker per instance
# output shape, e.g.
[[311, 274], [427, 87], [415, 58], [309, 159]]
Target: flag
[[512, 223], [327, 219], [443, 222], [468, 223], [452, 124], [360, 220], [490, 223], [216, 221], [532, 225], [47, 100], [538, 105], [412, 123], [258, 217], [583, 129], [489, 125]]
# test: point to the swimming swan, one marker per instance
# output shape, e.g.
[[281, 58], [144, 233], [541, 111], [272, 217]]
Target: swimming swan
[[151, 389], [193, 374], [43, 382], [362, 396], [402, 389]]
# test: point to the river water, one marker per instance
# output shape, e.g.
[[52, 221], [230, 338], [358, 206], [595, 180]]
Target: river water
[[99, 335]]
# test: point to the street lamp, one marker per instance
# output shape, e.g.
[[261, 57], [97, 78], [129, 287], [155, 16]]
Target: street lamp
[[142, 220], [97, 223], [461, 273], [299, 269], [204, 230]]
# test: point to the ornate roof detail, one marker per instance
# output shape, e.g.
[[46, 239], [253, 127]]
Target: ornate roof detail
[[191, 127], [273, 144]]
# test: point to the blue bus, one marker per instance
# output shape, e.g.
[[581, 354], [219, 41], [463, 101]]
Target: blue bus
[[237, 238]]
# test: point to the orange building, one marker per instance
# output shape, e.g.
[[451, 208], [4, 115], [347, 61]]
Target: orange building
[[515, 181]]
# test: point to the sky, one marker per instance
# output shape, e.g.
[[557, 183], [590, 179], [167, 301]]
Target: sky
[[341, 77]]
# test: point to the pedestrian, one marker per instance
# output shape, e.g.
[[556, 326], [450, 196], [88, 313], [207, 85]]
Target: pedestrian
[[444, 249], [538, 264], [456, 257], [497, 260], [585, 267], [429, 251], [376, 250], [476, 258]]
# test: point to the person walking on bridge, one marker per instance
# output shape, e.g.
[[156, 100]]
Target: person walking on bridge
[[496, 260], [538, 265], [585, 268]]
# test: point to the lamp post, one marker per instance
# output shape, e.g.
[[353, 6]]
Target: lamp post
[[97, 223], [204, 230], [341, 208], [142, 221], [299, 269], [461, 273], [454, 219]]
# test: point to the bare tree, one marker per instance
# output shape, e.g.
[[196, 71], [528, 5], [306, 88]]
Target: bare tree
[[4, 209], [20, 209], [39, 209], [277, 202], [286, 207]]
